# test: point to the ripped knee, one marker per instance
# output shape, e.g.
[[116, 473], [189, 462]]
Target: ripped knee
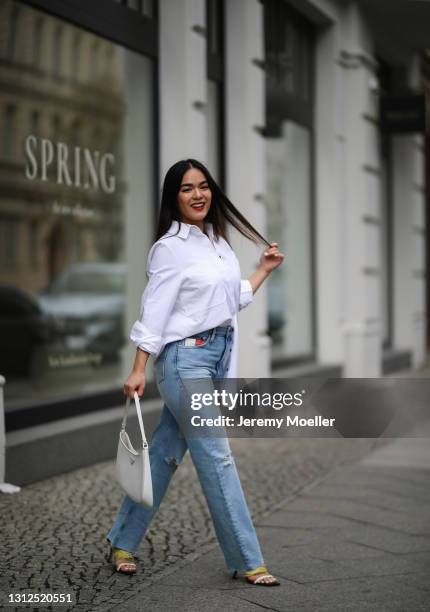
[[227, 460], [172, 461]]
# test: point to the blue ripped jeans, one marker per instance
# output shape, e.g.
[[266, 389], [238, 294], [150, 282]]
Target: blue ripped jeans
[[212, 458]]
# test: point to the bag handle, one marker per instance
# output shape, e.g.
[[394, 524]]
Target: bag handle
[[139, 416]]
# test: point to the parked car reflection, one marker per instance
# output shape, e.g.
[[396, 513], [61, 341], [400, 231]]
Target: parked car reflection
[[24, 329], [89, 301]]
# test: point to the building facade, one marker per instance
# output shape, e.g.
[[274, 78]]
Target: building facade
[[284, 101]]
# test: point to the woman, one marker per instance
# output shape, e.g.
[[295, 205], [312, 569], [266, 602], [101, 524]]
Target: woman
[[188, 323]]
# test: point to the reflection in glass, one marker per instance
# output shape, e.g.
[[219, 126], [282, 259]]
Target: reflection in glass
[[12, 33], [37, 42], [34, 122], [69, 171], [57, 51], [8, 242], [148, 8], [288, 50], [76, 56], [56, 127], [289, 222], [94, 61], [9, 131], [134, 4]]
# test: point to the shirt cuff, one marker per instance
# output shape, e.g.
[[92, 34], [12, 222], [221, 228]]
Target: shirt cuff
[[143, 338], [246, 293]]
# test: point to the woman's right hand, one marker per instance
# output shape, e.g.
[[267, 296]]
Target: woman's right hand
[[135, 382]]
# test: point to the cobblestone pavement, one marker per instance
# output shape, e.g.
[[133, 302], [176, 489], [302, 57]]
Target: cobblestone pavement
[[53, 532]]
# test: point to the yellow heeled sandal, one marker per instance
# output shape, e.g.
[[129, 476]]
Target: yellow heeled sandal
[[259, 576], [123, 560]]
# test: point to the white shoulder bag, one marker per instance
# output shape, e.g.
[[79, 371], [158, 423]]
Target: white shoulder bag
[[133, 470]]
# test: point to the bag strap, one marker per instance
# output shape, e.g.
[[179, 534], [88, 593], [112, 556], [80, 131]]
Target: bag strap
[[139, 416]]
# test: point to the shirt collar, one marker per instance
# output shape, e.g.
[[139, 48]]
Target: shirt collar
[[186, 228]]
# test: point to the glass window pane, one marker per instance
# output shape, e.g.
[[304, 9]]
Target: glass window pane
[[34, 123], [8, 241], [76, 56], [288, 53], [289, 223], [9, 125], [12, 31], [133, 4], [83, 169], [37, 42], [148, 8], [94, 61], [56, 127], [57, 50]]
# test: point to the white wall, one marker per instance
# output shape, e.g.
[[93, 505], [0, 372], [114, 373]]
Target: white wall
[[348, 185], [349, 207], [184, 130], [182, 82]]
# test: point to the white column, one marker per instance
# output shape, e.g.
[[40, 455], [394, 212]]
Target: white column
[[245, 165], [182, 81], [329, 203], [361, 177], [409, 241]]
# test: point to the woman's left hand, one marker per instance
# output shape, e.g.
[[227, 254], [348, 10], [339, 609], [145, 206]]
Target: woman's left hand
[[271, 258]]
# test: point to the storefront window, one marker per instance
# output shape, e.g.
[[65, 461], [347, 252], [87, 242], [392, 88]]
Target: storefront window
[[76, 160], [289, 128], [289, 222]]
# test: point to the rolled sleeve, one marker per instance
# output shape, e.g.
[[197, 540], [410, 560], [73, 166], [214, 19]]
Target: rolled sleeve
[[246, 294], [158, 299]]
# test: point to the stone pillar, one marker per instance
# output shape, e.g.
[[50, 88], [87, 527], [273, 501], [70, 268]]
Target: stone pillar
[[409, 240], [246, 165], [329, 198], [182, 81], [361, 202]]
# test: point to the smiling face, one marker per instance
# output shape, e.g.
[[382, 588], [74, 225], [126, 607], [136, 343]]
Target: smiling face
[[194, 197]]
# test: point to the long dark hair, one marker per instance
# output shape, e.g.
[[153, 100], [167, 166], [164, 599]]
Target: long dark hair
[[221, 209]]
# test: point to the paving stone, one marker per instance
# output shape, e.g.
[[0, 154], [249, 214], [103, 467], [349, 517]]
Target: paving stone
[[413, 523], [55, 532], [376, 594]]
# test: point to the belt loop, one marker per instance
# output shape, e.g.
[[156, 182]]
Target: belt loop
[[212, 336]]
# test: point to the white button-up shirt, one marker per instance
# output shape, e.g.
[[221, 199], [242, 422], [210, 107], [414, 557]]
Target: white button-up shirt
[[194, 285]]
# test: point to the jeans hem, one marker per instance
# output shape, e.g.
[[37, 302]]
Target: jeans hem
[[240, 544]]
